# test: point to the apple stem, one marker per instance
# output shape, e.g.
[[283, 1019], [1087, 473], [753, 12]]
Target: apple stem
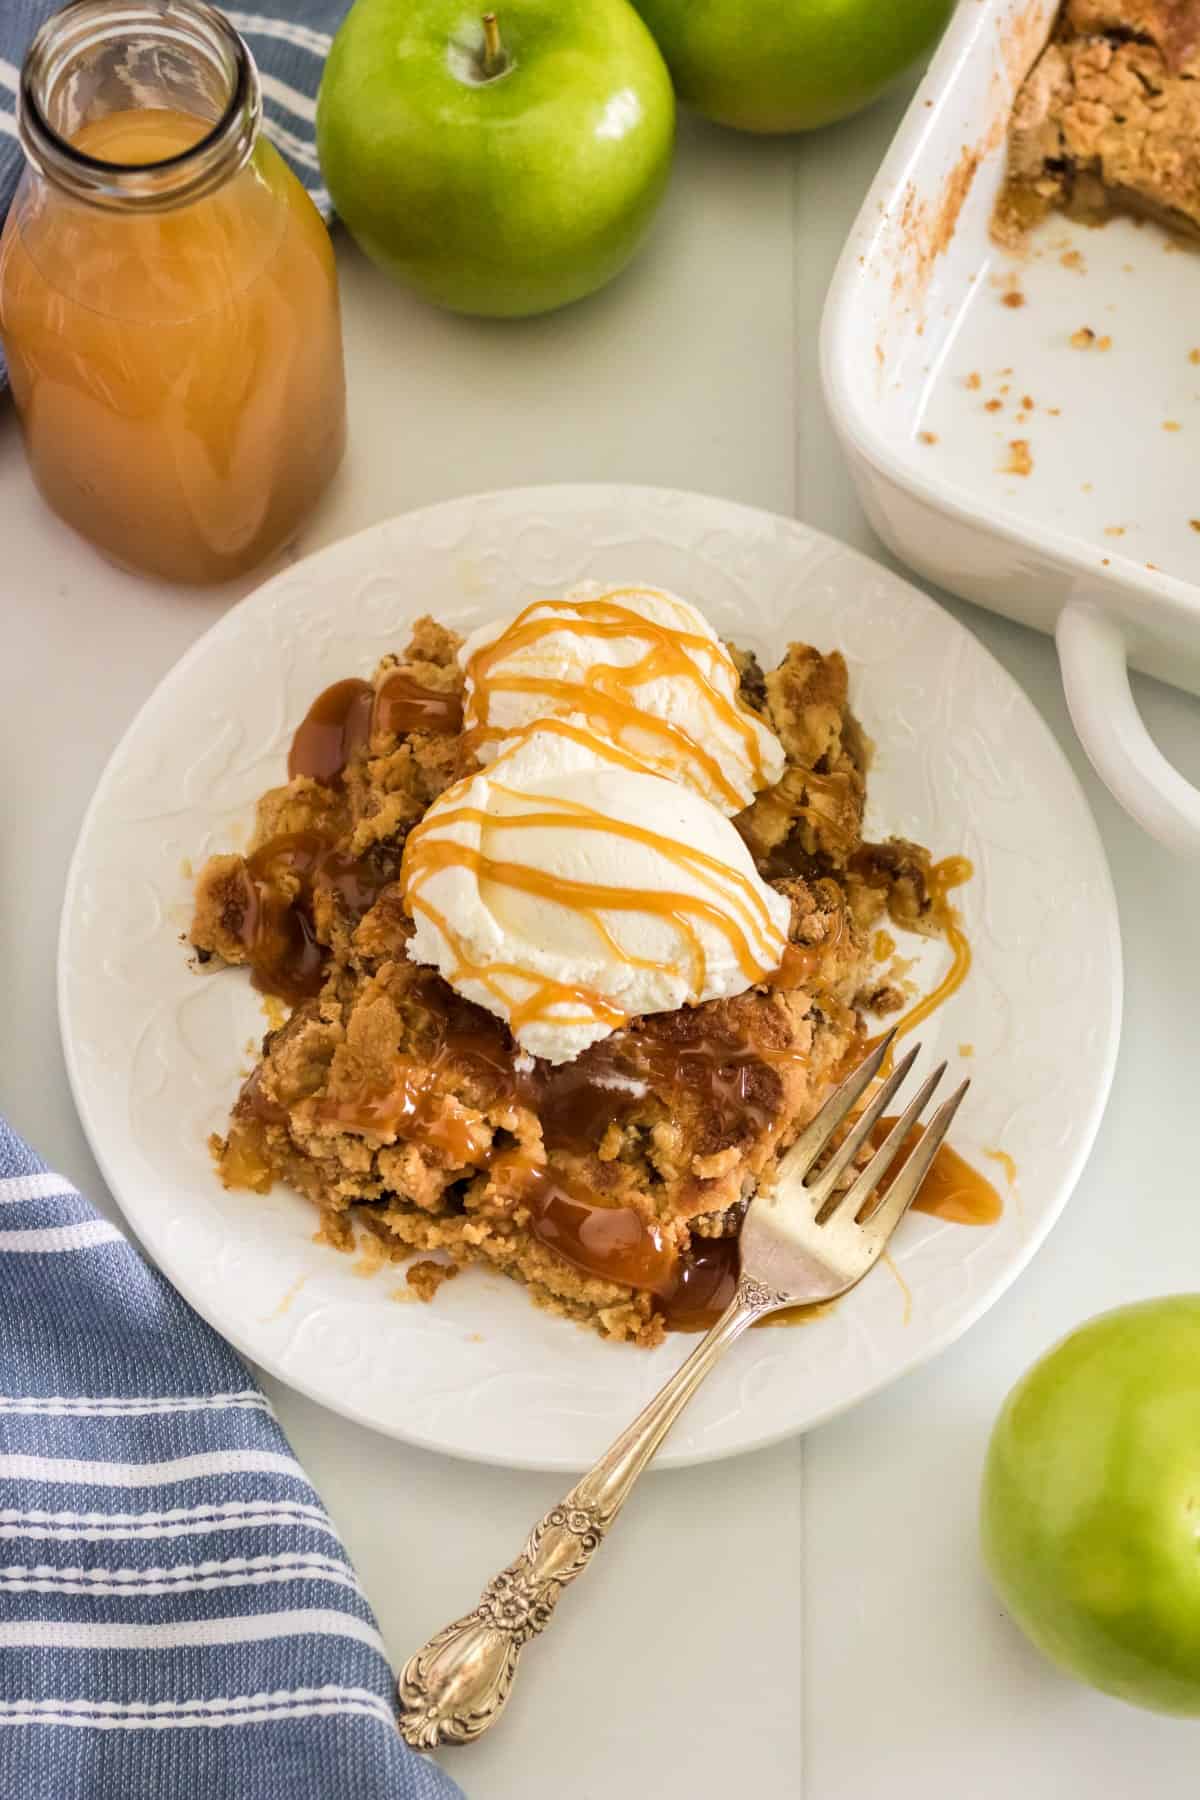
[[494, 59]]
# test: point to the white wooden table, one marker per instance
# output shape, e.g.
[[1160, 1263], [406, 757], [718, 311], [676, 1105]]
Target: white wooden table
[[812, 1620]]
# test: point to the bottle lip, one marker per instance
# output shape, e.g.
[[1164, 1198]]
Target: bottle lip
[[144, 187]]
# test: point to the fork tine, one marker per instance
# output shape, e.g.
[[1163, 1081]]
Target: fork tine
[[851, 1203], [817, 1133], [823, 1184], [907, 1185]]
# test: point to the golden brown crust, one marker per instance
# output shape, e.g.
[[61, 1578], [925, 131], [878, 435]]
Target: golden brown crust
[[1108, 119]]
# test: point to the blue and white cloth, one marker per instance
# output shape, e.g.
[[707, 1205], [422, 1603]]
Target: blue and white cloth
[[178, 1617], [289, 46]]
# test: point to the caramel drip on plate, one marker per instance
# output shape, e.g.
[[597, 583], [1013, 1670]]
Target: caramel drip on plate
[[952, 1189], [736, 910], [602, 696], [950, 873]]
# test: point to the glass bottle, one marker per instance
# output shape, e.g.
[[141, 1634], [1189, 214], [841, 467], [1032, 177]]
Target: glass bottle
[[168, 295]]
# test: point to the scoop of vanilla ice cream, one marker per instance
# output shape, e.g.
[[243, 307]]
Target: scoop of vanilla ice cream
[[634, 664], [566, 892]]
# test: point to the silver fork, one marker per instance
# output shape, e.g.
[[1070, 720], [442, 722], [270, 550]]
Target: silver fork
[[805, 1240]]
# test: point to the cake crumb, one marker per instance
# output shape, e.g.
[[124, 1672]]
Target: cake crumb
[[1014, 298], [1083, 339], [1114, 531], [1055, 412], [993, 406], [1027, 402], [1172, 425], [1086, 488], [1072, 259], [966, 1049], [1105, 561], [1194, 356], [1104, 343], [927, 437], [1020, 461], [1195, 524], [974, 380], [426, 1277]]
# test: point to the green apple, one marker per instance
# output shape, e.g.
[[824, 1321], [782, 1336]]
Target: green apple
[[504, 163], [789, 65], [1091, 1504]]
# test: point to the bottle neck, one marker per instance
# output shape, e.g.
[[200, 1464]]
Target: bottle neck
[[94, 59]]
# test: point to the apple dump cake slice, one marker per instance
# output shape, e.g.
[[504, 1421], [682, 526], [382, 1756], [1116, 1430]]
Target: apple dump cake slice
[[574, 924], [1108, 118]]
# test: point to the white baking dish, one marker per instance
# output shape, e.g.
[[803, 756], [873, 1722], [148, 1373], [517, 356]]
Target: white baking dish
[[1096, 542]]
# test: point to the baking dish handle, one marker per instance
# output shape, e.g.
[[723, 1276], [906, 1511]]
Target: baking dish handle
[[1093, 654]]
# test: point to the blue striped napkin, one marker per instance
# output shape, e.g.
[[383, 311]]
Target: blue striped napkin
[[289, 46], [178, 1617]]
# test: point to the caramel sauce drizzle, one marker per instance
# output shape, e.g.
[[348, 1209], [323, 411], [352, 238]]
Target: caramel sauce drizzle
[[345, 717], [278, 929], [736, 909], [602, 696], [950, 873]]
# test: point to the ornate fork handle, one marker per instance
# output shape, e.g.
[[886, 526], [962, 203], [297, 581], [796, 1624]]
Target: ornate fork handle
[[454, 1688]]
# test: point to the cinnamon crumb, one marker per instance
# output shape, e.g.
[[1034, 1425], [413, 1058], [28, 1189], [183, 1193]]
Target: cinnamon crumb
[[974, 380], [1055, 412], [1014, 298], [1027, 402], [1020, 462], [1104, 343], [993, 406], [1083, 339], [1195, 524], [1072, 259], [1194, 356], [927, 437], [427, 1277]]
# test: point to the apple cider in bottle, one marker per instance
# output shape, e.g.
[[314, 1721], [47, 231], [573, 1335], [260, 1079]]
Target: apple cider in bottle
[[168, 297]]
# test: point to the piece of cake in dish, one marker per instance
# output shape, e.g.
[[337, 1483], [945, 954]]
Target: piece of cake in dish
[[1108, 119], [576, 1059]]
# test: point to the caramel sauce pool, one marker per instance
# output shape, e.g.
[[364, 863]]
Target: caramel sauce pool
[[952, 1190]]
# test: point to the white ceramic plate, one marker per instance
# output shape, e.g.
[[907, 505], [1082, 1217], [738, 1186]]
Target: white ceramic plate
[[155, 1050]]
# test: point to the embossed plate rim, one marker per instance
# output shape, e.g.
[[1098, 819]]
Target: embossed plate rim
[[537, 1392]]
